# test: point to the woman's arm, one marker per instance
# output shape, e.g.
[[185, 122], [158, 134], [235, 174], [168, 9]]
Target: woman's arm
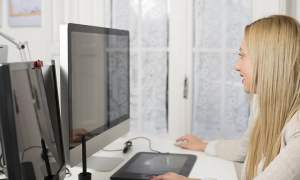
[[286, 165], [233, 150]]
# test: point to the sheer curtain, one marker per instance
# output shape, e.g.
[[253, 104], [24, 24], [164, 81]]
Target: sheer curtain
[[147, 21], [220, 106]]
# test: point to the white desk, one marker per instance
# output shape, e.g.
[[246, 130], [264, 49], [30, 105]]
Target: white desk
[[204, 167]]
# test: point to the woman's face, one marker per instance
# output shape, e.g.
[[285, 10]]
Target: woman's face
[[244, 66]]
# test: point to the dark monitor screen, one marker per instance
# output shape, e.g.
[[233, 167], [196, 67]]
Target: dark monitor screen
[[99, 80], [30, 120]]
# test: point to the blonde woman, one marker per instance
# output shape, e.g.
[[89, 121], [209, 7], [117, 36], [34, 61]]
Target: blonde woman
[[269, 65]]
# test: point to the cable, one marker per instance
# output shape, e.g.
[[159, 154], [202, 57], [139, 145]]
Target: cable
[[135, 138], [28, 148], [39, 147], [149, 143], [1, 161], [68, 172], [2, 164], [2, 172], [57, 172], [112, 150]]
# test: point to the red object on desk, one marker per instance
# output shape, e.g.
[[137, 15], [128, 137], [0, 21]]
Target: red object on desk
[[38, 64]]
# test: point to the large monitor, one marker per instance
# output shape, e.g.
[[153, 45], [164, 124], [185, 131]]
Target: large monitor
[[26, 118], [94, 88]]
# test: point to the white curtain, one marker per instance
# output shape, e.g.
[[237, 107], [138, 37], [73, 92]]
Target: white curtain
[[147, 21], [220, 106]]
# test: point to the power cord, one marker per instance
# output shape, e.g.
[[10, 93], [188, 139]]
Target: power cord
[[38, 147], [29, 148], [130, 141], [68, 172], [2, 164], [3, 168]]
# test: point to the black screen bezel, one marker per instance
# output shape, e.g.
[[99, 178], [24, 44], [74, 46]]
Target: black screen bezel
[[8, 126], [94, 30]]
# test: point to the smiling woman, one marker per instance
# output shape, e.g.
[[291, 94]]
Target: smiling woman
[[244, 66], [269, 64], [274, 48]]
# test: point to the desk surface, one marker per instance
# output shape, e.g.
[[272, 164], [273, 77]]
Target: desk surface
[[205, 166]]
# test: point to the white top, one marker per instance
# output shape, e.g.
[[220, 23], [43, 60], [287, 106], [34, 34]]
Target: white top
[[285, 166]]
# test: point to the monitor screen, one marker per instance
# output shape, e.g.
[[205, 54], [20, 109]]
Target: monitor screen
[[31, 119], [98, 81]]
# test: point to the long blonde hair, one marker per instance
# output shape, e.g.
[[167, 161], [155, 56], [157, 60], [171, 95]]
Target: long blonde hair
[[274, 49]]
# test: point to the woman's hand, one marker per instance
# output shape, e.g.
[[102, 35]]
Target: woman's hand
[[192, 142], [169, 176]]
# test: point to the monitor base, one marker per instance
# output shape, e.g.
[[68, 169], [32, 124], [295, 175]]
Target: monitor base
[[103, 164]]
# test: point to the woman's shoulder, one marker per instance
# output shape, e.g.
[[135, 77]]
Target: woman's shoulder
[[292, 128]]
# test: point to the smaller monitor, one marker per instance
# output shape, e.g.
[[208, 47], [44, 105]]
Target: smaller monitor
[[3, 53], [27, 117]]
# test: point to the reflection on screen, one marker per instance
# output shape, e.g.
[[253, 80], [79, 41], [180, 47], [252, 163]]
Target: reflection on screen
[[33, 121], [158, 164], [118, 86], [100, 83]]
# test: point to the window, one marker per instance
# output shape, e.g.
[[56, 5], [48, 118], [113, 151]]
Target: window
[[147, 21], [220, 107]]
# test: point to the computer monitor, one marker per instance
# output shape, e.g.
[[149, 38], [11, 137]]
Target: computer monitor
[[26, 118], [94, 89], [3, 53]]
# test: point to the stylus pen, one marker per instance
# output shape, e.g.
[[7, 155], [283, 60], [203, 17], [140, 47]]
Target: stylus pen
[[83, 154]]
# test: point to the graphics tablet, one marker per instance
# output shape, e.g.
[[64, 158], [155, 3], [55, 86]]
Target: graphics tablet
[[143, 165]]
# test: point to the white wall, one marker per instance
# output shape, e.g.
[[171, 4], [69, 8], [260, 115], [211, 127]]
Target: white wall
[[44, 40], [39, 38], [293, 8], [268, 7]]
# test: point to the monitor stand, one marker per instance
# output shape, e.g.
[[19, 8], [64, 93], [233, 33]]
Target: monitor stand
[[103, 164]]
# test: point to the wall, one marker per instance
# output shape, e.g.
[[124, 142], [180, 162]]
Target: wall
[[39, 38], [44, 40], [293, 8], [268, 7]]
